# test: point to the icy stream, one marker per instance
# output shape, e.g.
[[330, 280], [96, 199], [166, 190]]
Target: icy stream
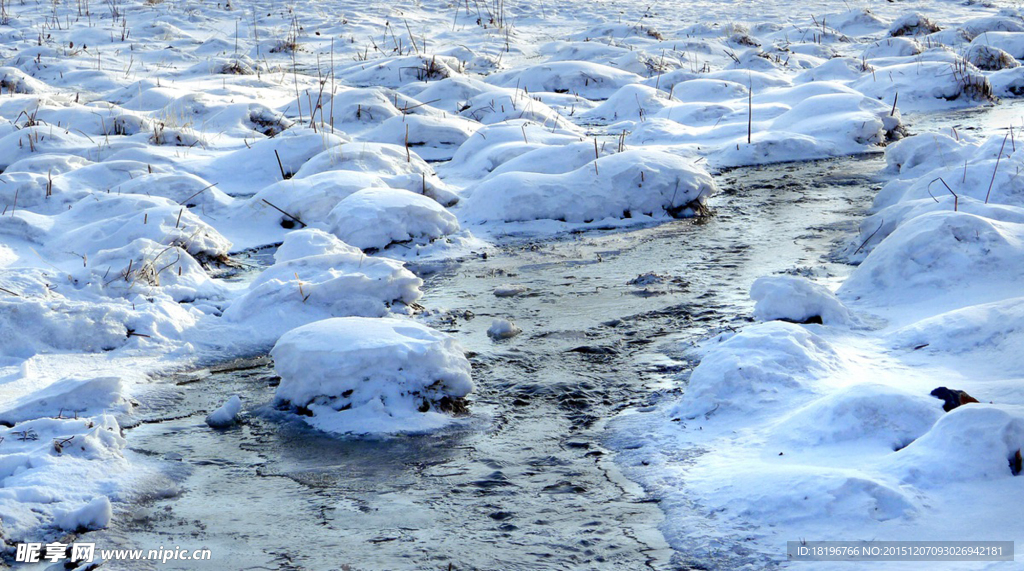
[[526, 482]]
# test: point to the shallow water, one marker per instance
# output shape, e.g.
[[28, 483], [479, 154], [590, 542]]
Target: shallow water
[[976, 121], [525, 482]]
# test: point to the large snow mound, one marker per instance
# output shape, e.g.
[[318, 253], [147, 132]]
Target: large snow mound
[[56, 472], [627, 184], [989, 332], [318, 276], [970, 443], [371, 375], [589, 80], [762, 367], [866, 412], [69, 397], [375, 218], [936, 251]]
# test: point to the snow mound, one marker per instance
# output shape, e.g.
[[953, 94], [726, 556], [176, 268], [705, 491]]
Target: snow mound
[[14, 80], [92, 516], [108, 221], [979, 170], [255, 166], [494, 145], [796, 299], [503, 329], [1008, 42], [398, 71], [29, 141], [702, 90], [875, 228], [226, 415], [450, 95], [551, 159], [986, 24], [624, 185], [361, 108], [990, 58], [375, 218], [810, 120], [918, 154], [146, 267], [67, 319], [371, 375], [914, 24], [433, 138], [55, 473], [866, 412], [311, 242], [309, 199], [185, 189], [927, 85], [632, 102], [333, 279], [857, 22], [969, 443], [892, 48], [995, 329], [793, 495], [763, 366], [397, 166], [1008, 83], [936, 252], [492, 108], [588, 80], [69, 397]]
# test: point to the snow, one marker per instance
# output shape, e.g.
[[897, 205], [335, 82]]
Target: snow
[[317, 276], [586, 79], [913, 24], [796, 299], [58, 472], [227, 414], [967, 444], [375, 218], [510, 290], [937, 251], [69, 397], [761, 368], [865, 414], [355, 374], [503, 329], [434, 138], [984, 333], [830, 430], [654, 184], [93, 515], [153, 163], [311, 242]]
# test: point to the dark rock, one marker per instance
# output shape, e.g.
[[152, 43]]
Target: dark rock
[[952, 398]]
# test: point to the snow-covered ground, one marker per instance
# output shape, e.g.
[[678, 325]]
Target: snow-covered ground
[[827, 420], [155, 153]]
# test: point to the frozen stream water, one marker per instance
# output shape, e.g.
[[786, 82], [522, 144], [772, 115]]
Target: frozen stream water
[[526, 483]]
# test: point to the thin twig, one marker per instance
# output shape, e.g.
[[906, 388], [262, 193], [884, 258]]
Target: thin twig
[[295, 218], [956, 198], [198, 192], [280, 165], [868, 239], [991, 182]]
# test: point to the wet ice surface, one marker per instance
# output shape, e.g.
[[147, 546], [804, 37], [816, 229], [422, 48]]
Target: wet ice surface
[[525, 482], [978, 121]]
